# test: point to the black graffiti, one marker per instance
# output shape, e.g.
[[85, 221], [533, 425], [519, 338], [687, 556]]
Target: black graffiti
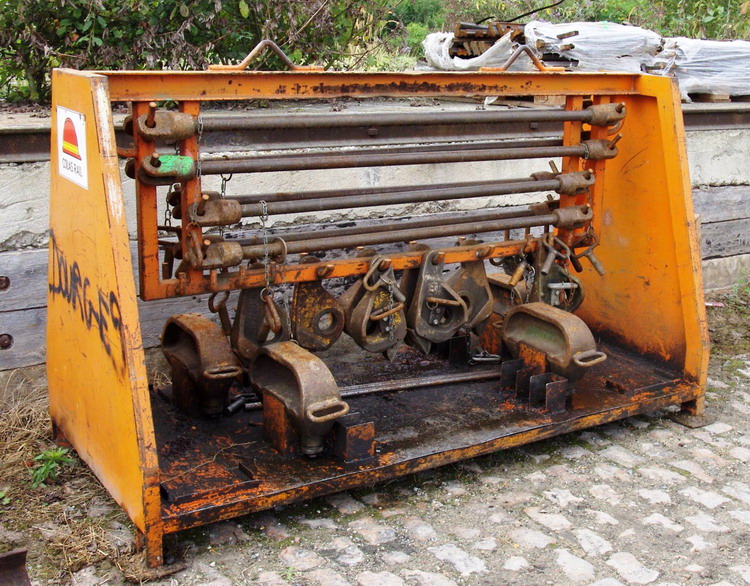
[[97, 309]]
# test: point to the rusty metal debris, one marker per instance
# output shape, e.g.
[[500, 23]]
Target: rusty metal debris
[[203, 364], [13, 568], [563, 338], [375, 310], [317, 316], [471, 40], [306, 389]]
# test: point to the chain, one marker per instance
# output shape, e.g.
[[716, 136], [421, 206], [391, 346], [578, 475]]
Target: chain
[[288, 311], [224, 181], [168, 213], [223, 195], [198, 141], [392, 316], [264, 232], [530, 275]]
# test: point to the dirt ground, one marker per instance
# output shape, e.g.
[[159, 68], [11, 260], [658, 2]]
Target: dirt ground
[[640, 501]]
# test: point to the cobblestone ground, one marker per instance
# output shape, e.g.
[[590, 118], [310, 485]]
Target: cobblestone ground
[[641, 501]]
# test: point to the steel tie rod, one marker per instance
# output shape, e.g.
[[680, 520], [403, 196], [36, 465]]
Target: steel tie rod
[[410, 196], [375, 119], [277, 247], [266, 164], [422, 222], [359, 191]]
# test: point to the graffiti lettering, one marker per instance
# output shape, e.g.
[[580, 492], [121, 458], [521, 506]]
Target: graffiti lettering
[[97, 309]]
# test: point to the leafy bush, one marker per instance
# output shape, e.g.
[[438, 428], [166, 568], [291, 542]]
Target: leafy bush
[[130, 34], [37, 35]]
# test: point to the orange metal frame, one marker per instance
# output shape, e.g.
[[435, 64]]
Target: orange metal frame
[[650, 299]]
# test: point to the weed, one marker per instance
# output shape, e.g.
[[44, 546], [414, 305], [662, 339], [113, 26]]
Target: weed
[[4, 499], [48, 465], [742, 286], [289, 574]]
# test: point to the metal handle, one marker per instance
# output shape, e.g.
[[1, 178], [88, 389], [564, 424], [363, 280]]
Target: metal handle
[[340, 408], [595, 262], [382, 315], [435, 301], [264, 44], [222, 371], [589, 358]]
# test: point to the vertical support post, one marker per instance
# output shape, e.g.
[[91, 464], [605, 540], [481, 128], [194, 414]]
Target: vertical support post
[[146, 208]]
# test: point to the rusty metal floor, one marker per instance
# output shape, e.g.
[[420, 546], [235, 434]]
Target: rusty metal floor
[[214, 469]]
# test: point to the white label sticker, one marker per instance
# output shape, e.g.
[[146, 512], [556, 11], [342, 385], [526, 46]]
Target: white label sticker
[[71, 146]]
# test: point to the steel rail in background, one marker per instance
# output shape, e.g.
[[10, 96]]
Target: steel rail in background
[[20, 144]]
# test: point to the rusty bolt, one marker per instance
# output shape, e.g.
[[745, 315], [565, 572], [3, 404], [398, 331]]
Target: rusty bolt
[[385, 264], [323, 271], [150, 122], [611, 144], [438, 258], [4, 283], [6, 341], [155, 162], [201, 208]]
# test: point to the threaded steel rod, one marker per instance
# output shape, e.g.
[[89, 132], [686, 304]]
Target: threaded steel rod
[[277, 248], [359, 191], [265, 164], [415, 196], [421, 222], [304, 121]]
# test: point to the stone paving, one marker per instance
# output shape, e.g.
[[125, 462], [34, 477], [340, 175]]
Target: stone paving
[[641, 501]]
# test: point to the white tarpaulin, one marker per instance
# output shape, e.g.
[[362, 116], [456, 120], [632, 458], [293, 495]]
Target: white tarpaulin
[[714, 67], [596, 46], [708, 67]]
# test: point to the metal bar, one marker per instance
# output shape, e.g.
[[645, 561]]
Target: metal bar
[[399, 197], [431, 220], [378, 119], [266, 164], [136, 86], [405, 384], [278, 247], [361, 191], [31, 145], [462, 144]]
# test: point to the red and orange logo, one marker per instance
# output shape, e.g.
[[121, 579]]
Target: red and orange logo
[[70, 140]]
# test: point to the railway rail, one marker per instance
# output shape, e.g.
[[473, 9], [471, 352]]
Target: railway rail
[[31, 144]]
